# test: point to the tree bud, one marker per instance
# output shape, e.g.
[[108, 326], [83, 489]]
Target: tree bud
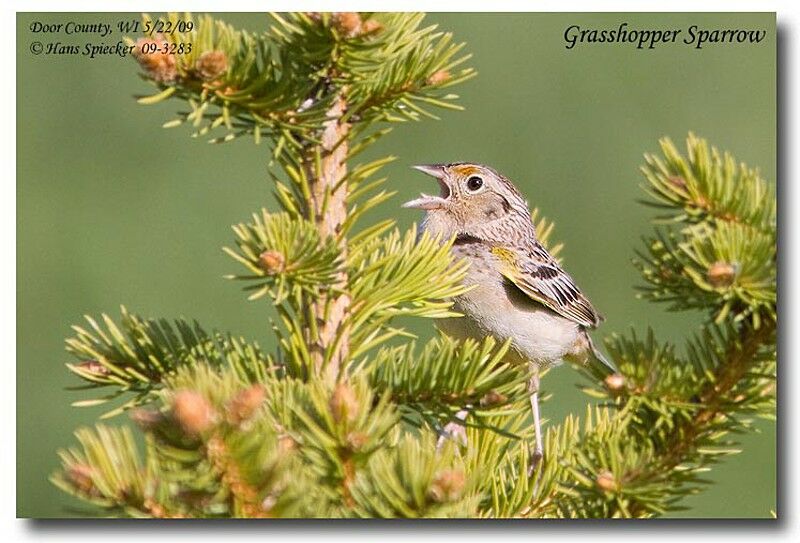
[[158, 66], [286, 444], [356, 441], [447, 486], [721, 274], [614, 382], [81, 476], [493, 398], [272, 262], [606, 481], [371, 26], [344, 404], [348, 23], [94, 367], [211, 65], [437, 78], [242, 406], [677, 181], [192, 411]]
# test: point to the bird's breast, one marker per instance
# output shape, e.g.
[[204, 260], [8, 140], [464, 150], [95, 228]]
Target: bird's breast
[[494, 307]]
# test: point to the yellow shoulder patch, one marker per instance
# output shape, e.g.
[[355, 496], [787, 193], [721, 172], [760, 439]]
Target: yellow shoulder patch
[[506, 256]]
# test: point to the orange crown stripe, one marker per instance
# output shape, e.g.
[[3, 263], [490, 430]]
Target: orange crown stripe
[[466, 169]]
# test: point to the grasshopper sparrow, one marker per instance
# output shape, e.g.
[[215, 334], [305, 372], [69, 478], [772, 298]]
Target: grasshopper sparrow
[[519, 290]]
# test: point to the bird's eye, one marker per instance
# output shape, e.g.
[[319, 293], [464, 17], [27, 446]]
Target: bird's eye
[[474, 183]]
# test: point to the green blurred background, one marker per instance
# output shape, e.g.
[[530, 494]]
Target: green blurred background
[[113, 209]]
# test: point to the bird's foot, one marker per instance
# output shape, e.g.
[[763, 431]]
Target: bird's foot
[[534, 461]]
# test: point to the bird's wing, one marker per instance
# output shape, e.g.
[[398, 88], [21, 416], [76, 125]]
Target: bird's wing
[[539, 276]]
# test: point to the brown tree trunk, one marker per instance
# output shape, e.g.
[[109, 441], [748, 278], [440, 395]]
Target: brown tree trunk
[[328, 210]]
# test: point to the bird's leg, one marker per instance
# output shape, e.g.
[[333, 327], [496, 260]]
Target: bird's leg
[[538, 451], [454, 430]]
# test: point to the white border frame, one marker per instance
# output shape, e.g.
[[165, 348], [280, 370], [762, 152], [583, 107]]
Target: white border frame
[[724, 531]]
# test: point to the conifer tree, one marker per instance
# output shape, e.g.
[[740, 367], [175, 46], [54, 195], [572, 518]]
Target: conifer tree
[[339, 416]]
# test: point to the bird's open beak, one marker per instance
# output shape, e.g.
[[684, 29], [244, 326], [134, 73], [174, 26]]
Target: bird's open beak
[[434, 170], [426, 201]]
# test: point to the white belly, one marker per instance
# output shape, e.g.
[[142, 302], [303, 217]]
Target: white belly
[[537, 334]]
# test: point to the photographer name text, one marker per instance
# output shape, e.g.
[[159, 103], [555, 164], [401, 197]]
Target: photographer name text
[[641, 38], [56, 38]]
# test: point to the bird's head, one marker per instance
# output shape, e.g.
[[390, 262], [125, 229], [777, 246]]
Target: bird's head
[[473, 200]]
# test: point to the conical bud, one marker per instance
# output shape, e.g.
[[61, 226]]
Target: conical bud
[[211, 65], [614, 382], [94, 367], [437, 78], [192, 411], [677, 181], [286, 444], [344, 404], [272, 262], [356, 441], [493, 398], [242, 406], [721, 274], [371, 26], [606, 481], [447, 486], [81, 477], [348, 23], [158, 66]]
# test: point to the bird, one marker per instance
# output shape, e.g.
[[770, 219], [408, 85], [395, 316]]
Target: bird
[[518, 291]]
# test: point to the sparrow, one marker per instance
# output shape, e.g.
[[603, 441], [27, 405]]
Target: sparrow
[[519, 292]]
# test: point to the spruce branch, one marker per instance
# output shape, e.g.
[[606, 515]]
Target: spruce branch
[[362, 68], [723, 237], [674, 413], [414, 480], [212, 450], [285, 256], [707, 185], [138, 354], [447, 376], [106, 471]]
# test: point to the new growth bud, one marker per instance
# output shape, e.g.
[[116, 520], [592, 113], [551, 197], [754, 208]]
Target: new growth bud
[[286, 444], [493, 398], [94, 367], [348, 23], [356, 441], [344, 404], [81, 477], [211, 65], [192, 411], [606, 481], [437, 78], [158, 66], [371, 26], [244, 405], [447, 486], [721, 274], [614, 382], [677, 181], [272, 262]]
